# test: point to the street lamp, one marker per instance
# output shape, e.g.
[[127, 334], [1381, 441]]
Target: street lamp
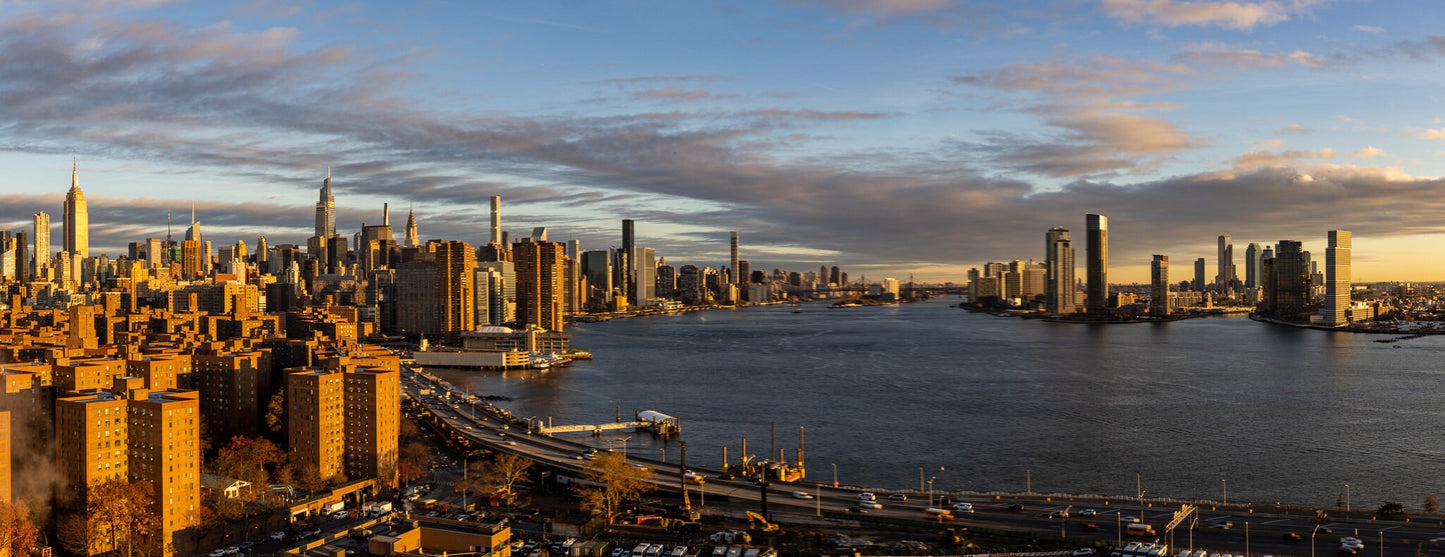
[[530, 422], [1226, 491], [1347, 501], [835, 474], [930, 491], [1312, 540], [664, 453]]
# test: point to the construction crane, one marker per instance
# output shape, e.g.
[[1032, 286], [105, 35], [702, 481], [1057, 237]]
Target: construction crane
[[754, 519]]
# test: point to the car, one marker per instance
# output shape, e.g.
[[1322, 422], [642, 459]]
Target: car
[[897, 497], [640, 468], [963, 507], [1347, 550], [1353, 543], [1292, 536], [468, 427], [1016, 507], [432, 513], [217, 553], [726, 476], [870, 504], [278, 535], [802, 495], [579, 457], [1129, 519], [1059, 514], [1089, 527], [1088, 512], [1083, 552], [1224, 525], [512, 443], [857, 509], [1437, 540], [866, 496]]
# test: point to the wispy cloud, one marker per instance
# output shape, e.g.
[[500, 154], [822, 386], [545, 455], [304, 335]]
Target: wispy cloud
[[1367, 29], [1368, 153], [1293, 128], [1239, 15], [1227, 55]]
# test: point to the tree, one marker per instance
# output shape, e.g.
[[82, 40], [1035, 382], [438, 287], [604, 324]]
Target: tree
[[1431, 503], [506, 470], [121, 516], [1391, 507], [17, 531], [276, 413], [412, 461], [252, 459], [613, 482]]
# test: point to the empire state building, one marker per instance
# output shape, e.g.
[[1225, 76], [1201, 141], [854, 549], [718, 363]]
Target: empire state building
[[77, 225]]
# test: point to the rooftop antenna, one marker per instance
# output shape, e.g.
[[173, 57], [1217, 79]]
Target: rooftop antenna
[[168, 228]]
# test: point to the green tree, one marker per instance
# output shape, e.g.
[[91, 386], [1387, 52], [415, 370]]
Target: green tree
[[614, 482]]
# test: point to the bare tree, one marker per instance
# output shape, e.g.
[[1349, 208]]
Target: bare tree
[[506, 470], [613, 482], [1432, 504]]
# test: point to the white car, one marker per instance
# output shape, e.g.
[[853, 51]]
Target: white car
[[963, 507], [897, 497], [1088, 512], [870, 505], [801, 495], [867, 496], [1352, 543]]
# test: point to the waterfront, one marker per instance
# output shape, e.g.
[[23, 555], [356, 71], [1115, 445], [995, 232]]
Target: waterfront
[[1282, 414]]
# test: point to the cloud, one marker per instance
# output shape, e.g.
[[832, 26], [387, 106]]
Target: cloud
[[660, 79], [1293, 128], [1098, 131], [886, 7], [1264, 158], [1367, 153], [1226, 55], [672, 93], [1270, 143], [1225, 15], [1367, 29], [1428, 133]]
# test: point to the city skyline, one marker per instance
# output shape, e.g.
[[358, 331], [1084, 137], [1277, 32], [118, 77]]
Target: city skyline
[[804, 132]]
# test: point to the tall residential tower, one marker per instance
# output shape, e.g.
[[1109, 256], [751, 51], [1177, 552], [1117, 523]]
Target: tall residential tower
[[1337, 278], [1097, 295], [1059, 271]]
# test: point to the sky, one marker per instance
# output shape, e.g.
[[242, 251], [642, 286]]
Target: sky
[[888, 137]]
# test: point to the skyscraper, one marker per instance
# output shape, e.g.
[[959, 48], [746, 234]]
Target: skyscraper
[[628, 264], [42, 243], [496, 236], [326, 211], [456, 271], [412, 239], [733, 262], [1159, 286], [77, 225], [540, 268], [1289, 290], [1198, 284], [1097, 295], [1226, 262], [1337, 278], [1059, 271], [1252, 256]]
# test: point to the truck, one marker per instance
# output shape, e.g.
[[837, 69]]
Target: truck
[[377, 508], [333, 507], [1140, 529]]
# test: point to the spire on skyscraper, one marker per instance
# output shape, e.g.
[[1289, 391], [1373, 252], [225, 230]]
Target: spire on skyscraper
[[412, 240]]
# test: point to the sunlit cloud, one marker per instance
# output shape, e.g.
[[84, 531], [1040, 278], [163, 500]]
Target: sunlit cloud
[[1237, 15]]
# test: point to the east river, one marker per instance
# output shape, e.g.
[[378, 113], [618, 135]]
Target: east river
[[979, 402]]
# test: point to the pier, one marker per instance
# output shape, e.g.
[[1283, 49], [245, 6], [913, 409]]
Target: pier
[[649, 420]]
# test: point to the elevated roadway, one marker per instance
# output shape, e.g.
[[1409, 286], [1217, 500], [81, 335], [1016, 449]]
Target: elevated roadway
[[1262, 530]]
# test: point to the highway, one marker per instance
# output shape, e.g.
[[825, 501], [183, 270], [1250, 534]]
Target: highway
[[1262, 531]]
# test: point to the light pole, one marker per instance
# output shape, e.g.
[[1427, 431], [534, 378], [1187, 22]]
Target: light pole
[[1312, 540], [835, 474], [920, 478], [1226, 491], [818, 498], [930, 491], [664, 453], [1246, 538], [1347, 501]]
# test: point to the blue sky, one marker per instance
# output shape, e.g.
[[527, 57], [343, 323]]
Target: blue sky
[[884, 136]]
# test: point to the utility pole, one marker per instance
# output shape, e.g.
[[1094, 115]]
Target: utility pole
[[682, 476]]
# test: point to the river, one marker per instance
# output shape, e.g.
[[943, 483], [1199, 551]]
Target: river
[[1185, 409]]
